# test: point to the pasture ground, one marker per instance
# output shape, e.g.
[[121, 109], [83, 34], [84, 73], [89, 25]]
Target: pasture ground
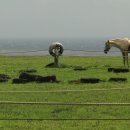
[[96, 68]]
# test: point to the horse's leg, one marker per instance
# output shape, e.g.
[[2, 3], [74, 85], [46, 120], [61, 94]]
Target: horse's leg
[[126, 57], [123, 54]]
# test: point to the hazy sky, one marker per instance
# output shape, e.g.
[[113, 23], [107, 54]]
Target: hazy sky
[[64, 18]]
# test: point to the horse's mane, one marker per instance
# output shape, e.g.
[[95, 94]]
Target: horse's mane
[[121, 39], [126, 38]]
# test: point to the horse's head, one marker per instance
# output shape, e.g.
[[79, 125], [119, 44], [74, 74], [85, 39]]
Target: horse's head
[[107, 47]]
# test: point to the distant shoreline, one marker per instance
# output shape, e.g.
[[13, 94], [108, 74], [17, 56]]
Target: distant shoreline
[[67, 53], [36, 46]]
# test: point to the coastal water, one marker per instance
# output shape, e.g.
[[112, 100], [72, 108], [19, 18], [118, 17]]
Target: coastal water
[[39, 46]]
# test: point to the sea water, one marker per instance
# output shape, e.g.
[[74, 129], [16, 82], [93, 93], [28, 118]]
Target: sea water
[[39, 46]]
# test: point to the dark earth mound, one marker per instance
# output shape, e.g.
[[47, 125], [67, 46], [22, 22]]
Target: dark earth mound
[[117, 79], [4, 78], [25, 78], [118, 70]]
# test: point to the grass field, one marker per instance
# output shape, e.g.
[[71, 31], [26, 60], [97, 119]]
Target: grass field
[[96, 68]]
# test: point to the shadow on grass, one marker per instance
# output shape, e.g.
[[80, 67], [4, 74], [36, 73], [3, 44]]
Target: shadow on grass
[[75, 67]]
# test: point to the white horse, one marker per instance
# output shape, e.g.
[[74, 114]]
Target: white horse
[[123, 44]]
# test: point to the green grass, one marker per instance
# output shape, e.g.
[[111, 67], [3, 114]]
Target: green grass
[[96, 67]]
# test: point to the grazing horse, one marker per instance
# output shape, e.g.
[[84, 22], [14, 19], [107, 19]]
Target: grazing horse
[[123, 44]]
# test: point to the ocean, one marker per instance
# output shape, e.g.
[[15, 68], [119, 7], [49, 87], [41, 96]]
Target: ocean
[[39, 46]]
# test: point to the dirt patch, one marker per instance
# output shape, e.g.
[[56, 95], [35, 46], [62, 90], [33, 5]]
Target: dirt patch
[[19, 81], [26, 77], [117, 79], [86, 80], [80, 68], [90, 80], [4, 78], [118, 70], [28, 71], [41, 79]]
